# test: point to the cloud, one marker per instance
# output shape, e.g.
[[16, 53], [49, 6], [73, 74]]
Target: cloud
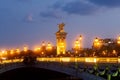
[[50, 14], [25, 0], [106, 3], [57, 4], [47, 14], [74, 7], [29, 18], [79, 7]]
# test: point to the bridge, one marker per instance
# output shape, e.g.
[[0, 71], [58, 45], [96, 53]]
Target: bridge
[[76, 67]]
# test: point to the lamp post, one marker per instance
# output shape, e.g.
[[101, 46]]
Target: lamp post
[[118, 40], [25, 48], [1, 55], [37, 49], [77, 46], [43, 49], [80, 40], [96, 43], [17, 51], [49, 49], [11, 51], [49, 46]]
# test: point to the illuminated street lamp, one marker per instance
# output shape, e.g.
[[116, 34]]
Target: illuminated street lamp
[[17, 50], [43, 43], [114, 52], [77, 46], [37, 49], [49, 46], [96, 39], [96, 43], [11, 51], [43, 47], [80, 39], [2, 53], [25, 48], [118, 40]]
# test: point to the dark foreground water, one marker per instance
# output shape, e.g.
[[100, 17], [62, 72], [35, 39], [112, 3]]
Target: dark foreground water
[[31, 73]]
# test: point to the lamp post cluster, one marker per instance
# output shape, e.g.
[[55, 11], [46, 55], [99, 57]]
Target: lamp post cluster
[[118, 40], [9, 54], [45, 50], [101, 47], [97, 43], [78, 44], [106, 47]]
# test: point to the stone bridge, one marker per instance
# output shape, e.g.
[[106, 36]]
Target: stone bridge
[[63, 67]]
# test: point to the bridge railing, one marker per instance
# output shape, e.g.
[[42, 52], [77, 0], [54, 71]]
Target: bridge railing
[[75, 64], [82, 59]]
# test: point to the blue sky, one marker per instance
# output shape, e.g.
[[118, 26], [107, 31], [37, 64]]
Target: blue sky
[[33, 21]]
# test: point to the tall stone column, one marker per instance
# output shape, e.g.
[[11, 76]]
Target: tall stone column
[[61, 39]]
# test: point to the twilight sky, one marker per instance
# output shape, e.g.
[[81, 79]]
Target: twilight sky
[[33, 21]]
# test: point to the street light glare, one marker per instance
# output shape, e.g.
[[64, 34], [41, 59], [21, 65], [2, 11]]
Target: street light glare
[[80, 37]]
